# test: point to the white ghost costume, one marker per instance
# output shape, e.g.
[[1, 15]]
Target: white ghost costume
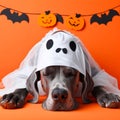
[[58, 48]]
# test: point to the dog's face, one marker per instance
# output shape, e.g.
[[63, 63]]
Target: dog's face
[[60, 83]]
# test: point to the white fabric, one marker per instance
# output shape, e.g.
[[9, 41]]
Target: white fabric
[[40, 57]]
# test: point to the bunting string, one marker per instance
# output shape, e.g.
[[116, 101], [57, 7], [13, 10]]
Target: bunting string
[[48, 19]]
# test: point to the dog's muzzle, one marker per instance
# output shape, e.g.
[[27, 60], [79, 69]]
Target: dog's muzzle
[[60, 99], [60, 90], [59, 95]]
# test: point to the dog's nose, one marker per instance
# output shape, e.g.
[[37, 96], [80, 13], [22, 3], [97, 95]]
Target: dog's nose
[[59, 94]]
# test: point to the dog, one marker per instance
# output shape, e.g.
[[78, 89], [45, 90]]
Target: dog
[[72, 74]]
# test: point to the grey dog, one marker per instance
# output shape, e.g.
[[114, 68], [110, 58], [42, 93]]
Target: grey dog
[[73, 74], [60, 83]]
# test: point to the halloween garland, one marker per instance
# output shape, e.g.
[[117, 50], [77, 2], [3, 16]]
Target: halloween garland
[[48, 19]]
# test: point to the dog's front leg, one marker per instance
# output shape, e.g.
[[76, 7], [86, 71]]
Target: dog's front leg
[[13, 100], [104, 99]]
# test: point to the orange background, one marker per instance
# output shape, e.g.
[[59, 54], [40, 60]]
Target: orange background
[[103, 42], [18, 38]]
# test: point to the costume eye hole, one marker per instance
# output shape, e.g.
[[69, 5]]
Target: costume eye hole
[[49, 44], [72, 46]]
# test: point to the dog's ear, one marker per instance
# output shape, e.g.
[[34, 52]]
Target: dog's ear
[[87, 87], [32, 87]]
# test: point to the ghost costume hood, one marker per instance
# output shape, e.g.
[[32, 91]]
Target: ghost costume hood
[[59, 48]]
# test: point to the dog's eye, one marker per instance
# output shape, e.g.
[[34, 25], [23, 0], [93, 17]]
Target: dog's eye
[[69, 72], [49, 71]]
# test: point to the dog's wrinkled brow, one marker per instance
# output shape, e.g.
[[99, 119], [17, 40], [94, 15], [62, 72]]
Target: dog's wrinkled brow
[[69, 71], [50, 70]]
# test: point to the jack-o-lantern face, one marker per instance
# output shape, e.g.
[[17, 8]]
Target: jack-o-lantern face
[[75, 22], [47, 19]]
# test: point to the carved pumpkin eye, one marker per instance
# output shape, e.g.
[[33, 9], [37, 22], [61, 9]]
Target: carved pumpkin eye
[[47, 19], [75, 22]]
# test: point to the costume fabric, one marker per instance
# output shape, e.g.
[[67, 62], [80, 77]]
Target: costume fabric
[[58, 48]]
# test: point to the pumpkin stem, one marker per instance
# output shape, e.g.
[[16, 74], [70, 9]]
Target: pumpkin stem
[[77, 15], [47, 12]]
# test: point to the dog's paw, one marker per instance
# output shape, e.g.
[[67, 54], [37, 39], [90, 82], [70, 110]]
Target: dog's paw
[[109, 100], [11, 101]]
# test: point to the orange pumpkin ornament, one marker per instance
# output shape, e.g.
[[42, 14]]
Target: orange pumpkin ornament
[[75, 22], [47, 19]]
